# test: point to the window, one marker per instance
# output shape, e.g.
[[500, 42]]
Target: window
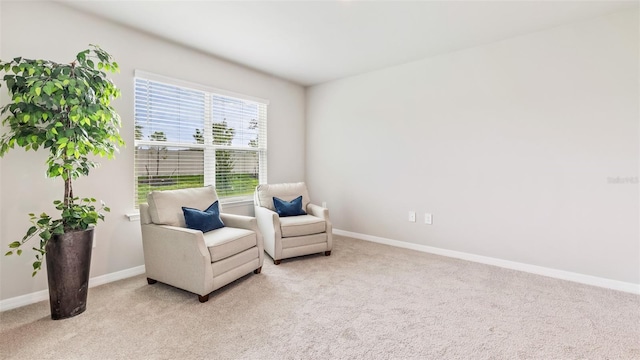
[[188, 135]]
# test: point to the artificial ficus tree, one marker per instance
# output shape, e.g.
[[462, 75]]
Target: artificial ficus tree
[[65, 109]]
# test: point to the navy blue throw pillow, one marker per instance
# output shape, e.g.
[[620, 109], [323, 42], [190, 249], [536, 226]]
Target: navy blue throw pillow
[[204, 221], [289, 208]]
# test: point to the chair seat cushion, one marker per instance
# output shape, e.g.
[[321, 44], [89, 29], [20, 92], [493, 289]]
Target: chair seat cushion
[[301, 225], [228, 241]]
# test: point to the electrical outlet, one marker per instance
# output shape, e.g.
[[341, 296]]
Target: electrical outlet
[[428, 219], [412, 216]]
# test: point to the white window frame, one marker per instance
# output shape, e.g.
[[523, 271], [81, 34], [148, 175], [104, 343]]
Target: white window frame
[[208, 146]]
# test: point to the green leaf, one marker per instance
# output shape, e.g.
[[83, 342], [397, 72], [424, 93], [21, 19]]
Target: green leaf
[[31, 230], [8, 253], [46, 235], [15, 244], [49, 89]]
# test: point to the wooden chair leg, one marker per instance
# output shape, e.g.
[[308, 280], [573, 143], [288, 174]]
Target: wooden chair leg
[[258, 270], [277, 262], [203, 298], [151, 281], [327, 253]]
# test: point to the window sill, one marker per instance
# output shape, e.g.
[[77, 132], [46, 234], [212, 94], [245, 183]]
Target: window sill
[[133, 216], [236, 203]]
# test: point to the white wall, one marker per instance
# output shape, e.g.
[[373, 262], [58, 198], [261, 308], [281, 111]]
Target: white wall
[[510, 145], [23, 186]]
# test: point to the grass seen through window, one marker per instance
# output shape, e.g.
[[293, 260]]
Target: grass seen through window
[[227, 185]]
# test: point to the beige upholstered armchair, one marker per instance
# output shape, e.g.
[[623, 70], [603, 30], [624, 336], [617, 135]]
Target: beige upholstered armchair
[[290, 236], [190, 259]]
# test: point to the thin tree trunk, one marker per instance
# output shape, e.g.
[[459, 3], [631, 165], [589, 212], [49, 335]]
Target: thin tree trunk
[[68, 187], [68, 190]]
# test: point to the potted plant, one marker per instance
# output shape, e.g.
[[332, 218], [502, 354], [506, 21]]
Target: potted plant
[[63, 108]]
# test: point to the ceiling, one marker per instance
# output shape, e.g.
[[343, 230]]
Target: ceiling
[[311, 42]]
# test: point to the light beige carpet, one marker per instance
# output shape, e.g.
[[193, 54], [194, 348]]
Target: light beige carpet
[[365, 301]]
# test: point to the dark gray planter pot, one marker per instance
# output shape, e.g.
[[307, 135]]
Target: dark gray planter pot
[[68, 264]]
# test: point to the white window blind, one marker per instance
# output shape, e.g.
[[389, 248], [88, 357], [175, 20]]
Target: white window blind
[[191, 136]]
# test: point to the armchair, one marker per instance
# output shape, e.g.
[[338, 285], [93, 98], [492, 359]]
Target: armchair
[[291, 236], [189, 259]]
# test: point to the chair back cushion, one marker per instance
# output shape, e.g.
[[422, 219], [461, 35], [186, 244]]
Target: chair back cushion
[[165, 207], [288, 191]]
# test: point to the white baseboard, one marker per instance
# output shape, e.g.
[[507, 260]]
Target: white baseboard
[[115, 276], [534, 269], [18, 301]]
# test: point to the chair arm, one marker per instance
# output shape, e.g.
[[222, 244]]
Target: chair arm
[[177, 256], [267, 218], [318, 211], [239, 221], [269, 225], [245, 222], [323, 213]]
